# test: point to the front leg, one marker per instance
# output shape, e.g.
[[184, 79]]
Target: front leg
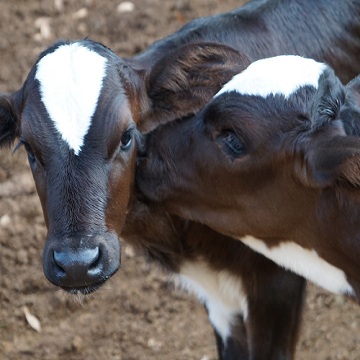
[[274, 299], [275, 308], [235, 346]]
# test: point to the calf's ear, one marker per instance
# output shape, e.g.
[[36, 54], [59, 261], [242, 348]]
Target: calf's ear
[[328, 99], [350, 111], [353, 90], [335, 161], [182, 82], [9, 119]]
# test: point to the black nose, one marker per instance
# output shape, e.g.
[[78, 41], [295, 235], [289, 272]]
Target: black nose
[[85, 264], [77, 265]]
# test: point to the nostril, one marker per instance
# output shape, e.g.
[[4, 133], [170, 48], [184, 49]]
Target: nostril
[[97, 264], [96, 260], [58, 259]]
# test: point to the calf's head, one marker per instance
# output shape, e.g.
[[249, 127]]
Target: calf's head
[[273, 160], [77, 115]]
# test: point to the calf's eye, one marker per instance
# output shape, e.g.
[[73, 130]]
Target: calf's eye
[[231, 144], [31, 157], [126, 140], [30, 154]]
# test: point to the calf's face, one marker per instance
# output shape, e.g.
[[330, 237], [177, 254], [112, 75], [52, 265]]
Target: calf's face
[[238, 149], [80, 140], [77, 115], [269, 160]]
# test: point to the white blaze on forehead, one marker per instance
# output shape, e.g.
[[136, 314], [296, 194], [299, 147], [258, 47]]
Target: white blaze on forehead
[[304, 262], [71, 79], [277, 75]]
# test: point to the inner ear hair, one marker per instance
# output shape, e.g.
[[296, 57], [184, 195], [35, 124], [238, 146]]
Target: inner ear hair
[[328, 99]]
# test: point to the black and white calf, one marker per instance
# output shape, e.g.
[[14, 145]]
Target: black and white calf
[[278, 150], [80, 109], [81, 105]]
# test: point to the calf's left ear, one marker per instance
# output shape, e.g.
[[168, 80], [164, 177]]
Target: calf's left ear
[[350, 110], [9, 120], [335, 161], [353, 90], [182, 82]]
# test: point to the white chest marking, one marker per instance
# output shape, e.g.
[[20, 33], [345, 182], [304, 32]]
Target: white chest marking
[[71, 79], [304, 262], [277, 75], [221, 291]]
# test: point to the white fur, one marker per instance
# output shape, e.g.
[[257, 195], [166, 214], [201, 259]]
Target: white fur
[[304, 262], [277, 75], [220, 291], [71, 79]]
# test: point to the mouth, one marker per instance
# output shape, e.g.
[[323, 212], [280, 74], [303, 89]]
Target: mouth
[[86, 289], [83, 290]]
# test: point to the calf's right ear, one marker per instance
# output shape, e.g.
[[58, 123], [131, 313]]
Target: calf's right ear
[[9, 119]]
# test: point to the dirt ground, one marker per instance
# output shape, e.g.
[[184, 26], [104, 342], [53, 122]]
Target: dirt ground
[[138, 315]]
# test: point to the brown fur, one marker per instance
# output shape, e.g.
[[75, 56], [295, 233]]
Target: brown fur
[[293, 181]]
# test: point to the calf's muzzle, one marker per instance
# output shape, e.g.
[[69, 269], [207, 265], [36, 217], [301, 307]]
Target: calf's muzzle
[[83, 263]]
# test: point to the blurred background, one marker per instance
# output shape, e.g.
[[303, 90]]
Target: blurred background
[[139, 314]]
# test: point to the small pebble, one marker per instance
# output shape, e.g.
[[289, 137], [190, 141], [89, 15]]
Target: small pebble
[[126, 6], [78, 343], [80, 14], [5, 220]]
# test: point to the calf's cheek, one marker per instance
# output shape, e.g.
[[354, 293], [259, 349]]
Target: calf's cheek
[[120, 187]]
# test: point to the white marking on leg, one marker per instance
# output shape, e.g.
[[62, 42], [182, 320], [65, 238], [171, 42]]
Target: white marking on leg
[[221, 291], [304, 262], [71, 79], [277, 75]]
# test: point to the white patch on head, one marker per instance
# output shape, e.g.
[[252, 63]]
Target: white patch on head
[[71, 79], [304, 262], [277, 75], [221, 291]]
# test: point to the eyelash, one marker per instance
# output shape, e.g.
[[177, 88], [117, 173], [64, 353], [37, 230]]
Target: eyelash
[[17, 146], [32, 158], [231, 144]]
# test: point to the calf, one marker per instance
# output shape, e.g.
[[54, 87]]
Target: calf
[[78, 112], [79, 108], [274, 161]]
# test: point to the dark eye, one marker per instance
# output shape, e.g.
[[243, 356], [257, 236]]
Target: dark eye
[[231, 144], [30, 153], [126, 140], [31, 157]]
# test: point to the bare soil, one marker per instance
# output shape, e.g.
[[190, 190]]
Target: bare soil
[[138, 315]]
